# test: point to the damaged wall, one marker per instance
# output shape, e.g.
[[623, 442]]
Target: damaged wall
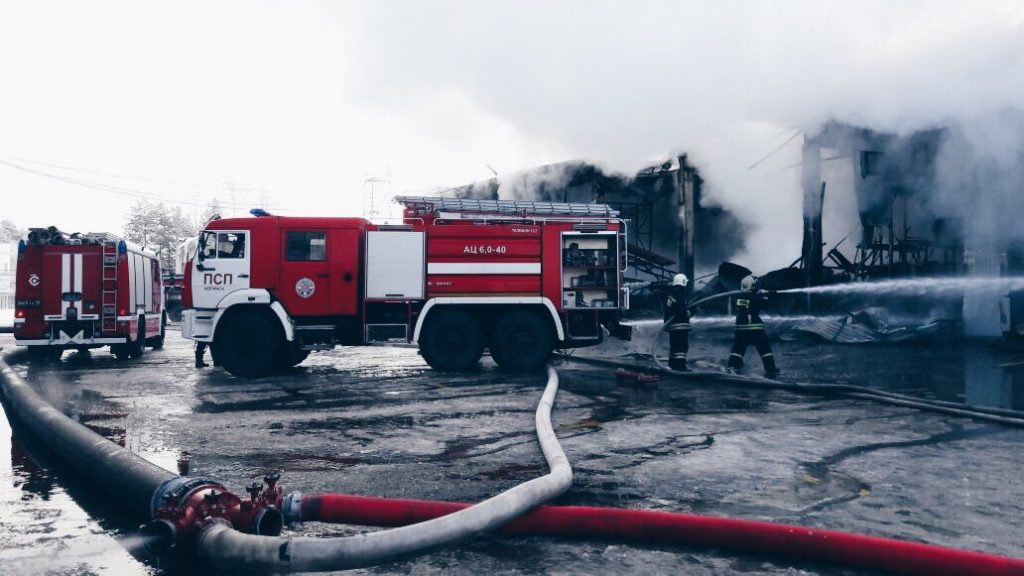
[[653, 201], [942, 201]]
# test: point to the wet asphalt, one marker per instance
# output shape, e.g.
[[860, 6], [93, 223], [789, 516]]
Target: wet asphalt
[[377, 421]]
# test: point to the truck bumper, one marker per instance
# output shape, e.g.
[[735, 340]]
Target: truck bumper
[[68, 340], [197, 324]]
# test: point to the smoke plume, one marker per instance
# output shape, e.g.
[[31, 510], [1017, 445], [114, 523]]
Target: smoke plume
[[309, 100], [626, 85]]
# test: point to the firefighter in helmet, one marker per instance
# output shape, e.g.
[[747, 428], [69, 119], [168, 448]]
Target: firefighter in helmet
[[677, 322], [750, 328]]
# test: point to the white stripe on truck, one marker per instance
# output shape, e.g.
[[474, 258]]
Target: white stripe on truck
[[78, 284], [65, 273], [483, 268]]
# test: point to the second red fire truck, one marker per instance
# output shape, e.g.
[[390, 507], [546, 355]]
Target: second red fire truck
[[457, 277], [81, 291]]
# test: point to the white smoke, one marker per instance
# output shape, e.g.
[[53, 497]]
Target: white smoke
[[309, 99], [980, 183], [625, 84]]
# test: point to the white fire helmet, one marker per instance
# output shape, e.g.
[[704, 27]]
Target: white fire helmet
[[748, 282], [680, 280]]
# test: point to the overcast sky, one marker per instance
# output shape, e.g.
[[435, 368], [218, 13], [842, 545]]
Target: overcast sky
[[296, 104]]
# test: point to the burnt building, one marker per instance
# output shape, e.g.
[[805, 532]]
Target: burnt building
[[930, 203], [669, 226]]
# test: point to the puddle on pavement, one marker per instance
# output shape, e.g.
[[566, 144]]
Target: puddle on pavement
[[45, 529], [993, 378]]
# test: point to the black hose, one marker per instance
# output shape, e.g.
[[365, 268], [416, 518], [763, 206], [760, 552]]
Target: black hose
[[130, 479], [998, 415], [844, 390], [714, 297]]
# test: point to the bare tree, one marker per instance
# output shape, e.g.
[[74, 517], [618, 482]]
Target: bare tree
[[9, 231], [213, 209], [158, 228]]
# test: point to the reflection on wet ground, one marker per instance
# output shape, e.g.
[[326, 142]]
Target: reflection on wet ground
[[981, 374], [376, 421]]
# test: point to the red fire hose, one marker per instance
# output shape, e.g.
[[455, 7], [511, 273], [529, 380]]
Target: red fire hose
[[814, 544]]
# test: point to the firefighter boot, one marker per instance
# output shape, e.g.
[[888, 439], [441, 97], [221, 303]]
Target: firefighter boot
[[200, 352], [678, 363], [770, 370]]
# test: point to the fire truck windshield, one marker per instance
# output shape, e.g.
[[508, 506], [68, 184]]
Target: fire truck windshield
[[221, 245]]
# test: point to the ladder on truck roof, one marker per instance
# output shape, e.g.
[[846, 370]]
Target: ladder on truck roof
[[108, 309], [506, 207]]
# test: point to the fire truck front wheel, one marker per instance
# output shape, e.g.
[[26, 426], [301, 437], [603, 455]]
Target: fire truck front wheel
[[452, 341], [249, 343], [522, 341], [294, 357]]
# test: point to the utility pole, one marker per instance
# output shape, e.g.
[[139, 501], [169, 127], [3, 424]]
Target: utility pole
[[373, 207], [684, 181]]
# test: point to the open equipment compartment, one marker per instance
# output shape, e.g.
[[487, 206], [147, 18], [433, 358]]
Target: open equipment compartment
[[590, 263]]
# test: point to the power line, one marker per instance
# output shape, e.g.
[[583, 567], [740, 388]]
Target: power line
[[798, 164], [124, 177], [773, 152], [107, 174], [121, 190]]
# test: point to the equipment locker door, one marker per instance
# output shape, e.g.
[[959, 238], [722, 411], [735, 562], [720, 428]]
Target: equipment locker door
[[345, 248], [305, 272]]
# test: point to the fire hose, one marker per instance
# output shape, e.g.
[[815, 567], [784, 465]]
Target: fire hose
[[995, 415], [815, 544], [203, 511], [177, 507], [226, 547], [238, 534], [123, 474]]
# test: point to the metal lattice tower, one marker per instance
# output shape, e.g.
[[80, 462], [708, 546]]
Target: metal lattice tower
[[375, 193]]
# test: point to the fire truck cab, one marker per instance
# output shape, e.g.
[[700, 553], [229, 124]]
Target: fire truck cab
[[81, 291], [457, 277]]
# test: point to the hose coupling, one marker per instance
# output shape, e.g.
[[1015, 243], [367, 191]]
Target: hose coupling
[[291, 507]]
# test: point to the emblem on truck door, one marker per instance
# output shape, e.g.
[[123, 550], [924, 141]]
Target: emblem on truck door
[[305, 287], [33, 279]]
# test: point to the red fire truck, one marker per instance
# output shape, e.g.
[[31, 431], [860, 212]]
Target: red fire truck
[[85, 291], [458, 276]]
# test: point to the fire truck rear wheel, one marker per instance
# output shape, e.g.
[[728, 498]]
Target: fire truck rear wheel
[[522, 341], [157, 342], [137, 348], [44, 353], [452, 341], [249, 344]]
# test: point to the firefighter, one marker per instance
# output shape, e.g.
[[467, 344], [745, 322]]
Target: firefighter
[[677, 322], [200, 350], [750, 329]]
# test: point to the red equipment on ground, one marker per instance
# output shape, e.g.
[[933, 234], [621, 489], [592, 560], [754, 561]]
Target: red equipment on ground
[[650, 526], [458, 276], [81, 291], [623, 375]]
